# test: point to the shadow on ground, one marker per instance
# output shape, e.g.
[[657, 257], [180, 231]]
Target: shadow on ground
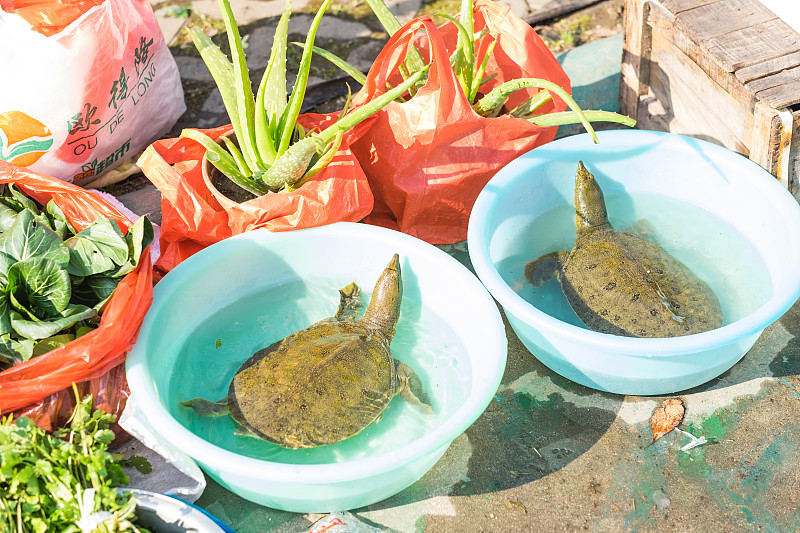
[[537, 423], [762, 361]]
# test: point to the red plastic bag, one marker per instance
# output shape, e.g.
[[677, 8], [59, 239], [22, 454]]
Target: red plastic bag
[[195, 215], [42, 386], [427, 159]]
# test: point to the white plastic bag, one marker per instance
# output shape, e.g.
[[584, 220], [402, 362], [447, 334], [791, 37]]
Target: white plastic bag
[[80, 101]]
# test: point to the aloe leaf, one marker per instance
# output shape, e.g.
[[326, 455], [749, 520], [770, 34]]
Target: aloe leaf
[[265, 128], [321, 163], [467, 19], [497, 96], [346, 67], [237, 156], [224, 161], [465, 53], [391, 25], [363, 112], [478, 80], [347, 102], [570, 117], [221, 70], [385, 16], [530, 105], [244, 92], [290, 166], [271, 98], [466, 40], [299, 89]]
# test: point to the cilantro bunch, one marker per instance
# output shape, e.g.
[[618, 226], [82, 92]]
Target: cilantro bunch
[[66, 481], [54, 281]]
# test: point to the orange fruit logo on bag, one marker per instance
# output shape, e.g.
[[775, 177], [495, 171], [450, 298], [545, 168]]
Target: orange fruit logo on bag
[[23, 139]]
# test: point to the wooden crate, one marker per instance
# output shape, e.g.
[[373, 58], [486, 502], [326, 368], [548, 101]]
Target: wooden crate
[[727, 71]]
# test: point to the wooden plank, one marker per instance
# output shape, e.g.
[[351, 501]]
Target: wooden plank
[[771, 140], [663, 22], [635, 67], [794, 156], [766, 68], [555, 9], [778, 90], [755, 44], [676, 6], [705, 22], [695, 104], [785, 95]]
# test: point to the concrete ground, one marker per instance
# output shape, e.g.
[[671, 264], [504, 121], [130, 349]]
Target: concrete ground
[[549, 455]]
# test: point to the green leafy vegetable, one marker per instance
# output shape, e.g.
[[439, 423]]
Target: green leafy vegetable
[[66, 481], [54, 281]]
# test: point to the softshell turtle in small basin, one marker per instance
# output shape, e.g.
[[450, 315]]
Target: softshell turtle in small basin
[[327, 382], [620, 283]]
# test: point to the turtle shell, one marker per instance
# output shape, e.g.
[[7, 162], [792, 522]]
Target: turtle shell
[[622, 284], [315, 387]]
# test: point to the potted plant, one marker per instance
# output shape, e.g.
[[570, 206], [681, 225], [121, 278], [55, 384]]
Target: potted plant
[[297, 169], [493, 92]]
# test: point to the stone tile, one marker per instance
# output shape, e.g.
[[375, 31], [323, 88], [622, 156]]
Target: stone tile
[[247, 11], [259, 45], [331, 28], [364, 56], [519, 7], [213, 113], [404, 10], [193, 68], [144, 201], [170, 26], [259, 41]]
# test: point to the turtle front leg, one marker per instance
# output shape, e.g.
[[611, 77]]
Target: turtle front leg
[[207, 408], [538, 271], [411, 387], [349, 302]]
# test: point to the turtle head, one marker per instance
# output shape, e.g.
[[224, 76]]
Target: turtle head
[[590, 206], [383, 310]]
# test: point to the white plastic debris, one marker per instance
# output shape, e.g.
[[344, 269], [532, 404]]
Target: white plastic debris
[[695, 442], [174, 472], [89, 520]]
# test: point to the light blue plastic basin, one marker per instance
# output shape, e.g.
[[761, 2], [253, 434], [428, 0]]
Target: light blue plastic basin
[[685, 169], [232, 270]]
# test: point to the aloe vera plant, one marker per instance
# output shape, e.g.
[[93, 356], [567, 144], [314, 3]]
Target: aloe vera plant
[[274, 153], [470, 72]]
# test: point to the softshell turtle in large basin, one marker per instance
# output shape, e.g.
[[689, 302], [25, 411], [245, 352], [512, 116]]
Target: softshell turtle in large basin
[[623, 284], [327, 382]]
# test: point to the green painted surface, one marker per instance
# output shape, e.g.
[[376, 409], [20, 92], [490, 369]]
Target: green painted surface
[[550, 455]]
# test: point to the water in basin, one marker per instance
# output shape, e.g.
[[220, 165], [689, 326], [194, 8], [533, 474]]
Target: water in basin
[[214, 350], [715, 251]]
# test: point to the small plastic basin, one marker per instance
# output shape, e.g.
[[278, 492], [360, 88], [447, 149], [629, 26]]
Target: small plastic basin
[[458, 320], [669, 167]]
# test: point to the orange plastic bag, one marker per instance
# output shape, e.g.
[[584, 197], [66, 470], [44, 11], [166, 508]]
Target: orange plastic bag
[[46, 16], [427, 159], [42, 386], [195, 215]]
